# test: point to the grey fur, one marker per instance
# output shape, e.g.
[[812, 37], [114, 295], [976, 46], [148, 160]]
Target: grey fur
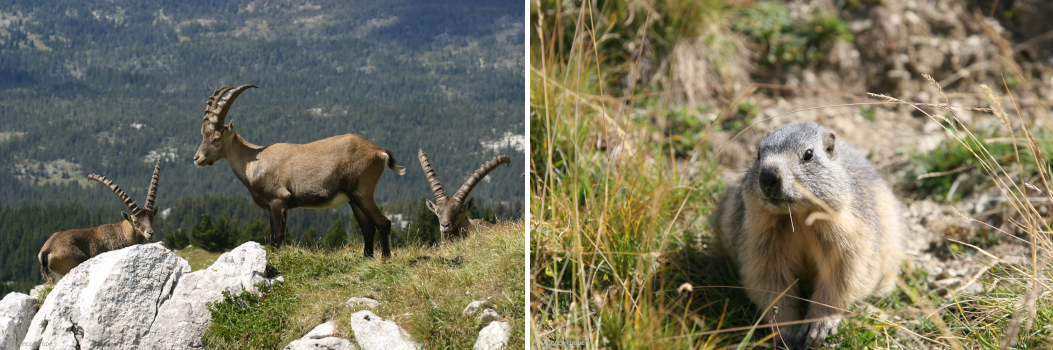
[[845, 254]]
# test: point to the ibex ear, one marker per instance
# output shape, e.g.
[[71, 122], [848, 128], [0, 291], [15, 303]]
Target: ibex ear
[[468, 205], [431, 205], [231, 126], [127, 216]]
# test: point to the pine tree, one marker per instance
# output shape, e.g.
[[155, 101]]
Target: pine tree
[[336, 237], [425, 226], [200, 235], [290, 237], [221, 235], [489, 215], [177, 240], [258, 231], [309, 240]]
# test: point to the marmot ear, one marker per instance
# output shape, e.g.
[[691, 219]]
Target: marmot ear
[[828, 144]]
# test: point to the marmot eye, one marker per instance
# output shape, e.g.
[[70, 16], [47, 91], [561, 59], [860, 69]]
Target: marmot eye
[[807, 155]]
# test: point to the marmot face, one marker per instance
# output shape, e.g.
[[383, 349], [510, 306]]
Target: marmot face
[[793, 159]]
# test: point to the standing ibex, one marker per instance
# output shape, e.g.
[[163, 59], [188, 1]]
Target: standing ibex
[[67, 249], [453, 212], [321, 174]]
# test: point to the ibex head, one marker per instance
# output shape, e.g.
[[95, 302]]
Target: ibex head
[[453, 211], [216, 137], [142, 219]]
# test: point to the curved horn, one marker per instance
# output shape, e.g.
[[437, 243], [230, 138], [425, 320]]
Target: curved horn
[[436, 186], [116, 190], [217, 107], [153, 186], [479, 175]]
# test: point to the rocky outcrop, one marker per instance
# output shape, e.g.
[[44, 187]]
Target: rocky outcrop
[[108, 301], [182, 319], [16, 310], [323, 337], [375, 333], [141, 297], [494, 336]]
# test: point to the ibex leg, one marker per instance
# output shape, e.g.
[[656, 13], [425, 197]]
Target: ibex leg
[[278, 212]]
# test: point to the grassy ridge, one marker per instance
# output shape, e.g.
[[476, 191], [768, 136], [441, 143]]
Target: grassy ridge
[[424, 295], [621, 212]]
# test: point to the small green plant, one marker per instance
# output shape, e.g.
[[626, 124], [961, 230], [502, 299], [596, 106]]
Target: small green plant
[[43, 295], [868, 113], [768, 23]]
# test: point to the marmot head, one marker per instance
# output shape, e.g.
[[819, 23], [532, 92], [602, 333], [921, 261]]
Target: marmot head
[[805, 153]]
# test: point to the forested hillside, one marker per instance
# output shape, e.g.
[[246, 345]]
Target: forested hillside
[[109, 87]]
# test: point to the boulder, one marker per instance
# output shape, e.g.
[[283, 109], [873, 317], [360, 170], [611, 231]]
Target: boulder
[[16, 310], [367, 302], [494, 336], [374, 333], [322, 337], [108, 301], [182, 319]]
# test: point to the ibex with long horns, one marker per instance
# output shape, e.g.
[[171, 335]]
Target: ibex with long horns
[[321, 174], [453, 211], [67, 249]]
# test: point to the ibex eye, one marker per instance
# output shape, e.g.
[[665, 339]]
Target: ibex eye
[[807, 155]]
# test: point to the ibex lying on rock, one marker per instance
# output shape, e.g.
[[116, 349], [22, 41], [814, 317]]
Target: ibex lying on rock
[[453, 211], [67, 249], [321, 174]]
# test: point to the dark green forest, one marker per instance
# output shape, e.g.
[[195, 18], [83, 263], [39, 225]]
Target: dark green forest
[[109, 87]]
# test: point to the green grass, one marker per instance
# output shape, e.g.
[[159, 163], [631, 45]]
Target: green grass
[[622, 221], [198, 258], [424, 295]]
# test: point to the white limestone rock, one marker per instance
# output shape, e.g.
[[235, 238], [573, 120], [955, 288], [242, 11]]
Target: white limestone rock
[[16, 310], [367, 302], [494, 336], [322, 337], [374, 333], [473, 307], [487, 316], [182, 320], [107, 302]]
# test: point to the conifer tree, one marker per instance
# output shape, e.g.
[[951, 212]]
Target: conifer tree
[[309, 240], [424, 228], [336, 237], [200, 235], [258, 231]]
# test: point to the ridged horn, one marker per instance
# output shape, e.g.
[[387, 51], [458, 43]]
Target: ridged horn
[[217, 107], [436, 186], [478, 176], [152, 194], [116, 190]]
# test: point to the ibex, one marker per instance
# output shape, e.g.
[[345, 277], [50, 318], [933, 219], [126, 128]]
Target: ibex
[[67, 249], [321, 174], [453, 211]]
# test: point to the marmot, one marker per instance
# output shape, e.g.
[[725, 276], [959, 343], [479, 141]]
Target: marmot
[[852, 246]]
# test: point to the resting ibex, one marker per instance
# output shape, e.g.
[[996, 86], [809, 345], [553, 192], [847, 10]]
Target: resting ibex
[[453, 211], [321, 174], [67, 249]]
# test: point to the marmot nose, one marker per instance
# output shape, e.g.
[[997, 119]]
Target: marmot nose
[[770, 183]]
